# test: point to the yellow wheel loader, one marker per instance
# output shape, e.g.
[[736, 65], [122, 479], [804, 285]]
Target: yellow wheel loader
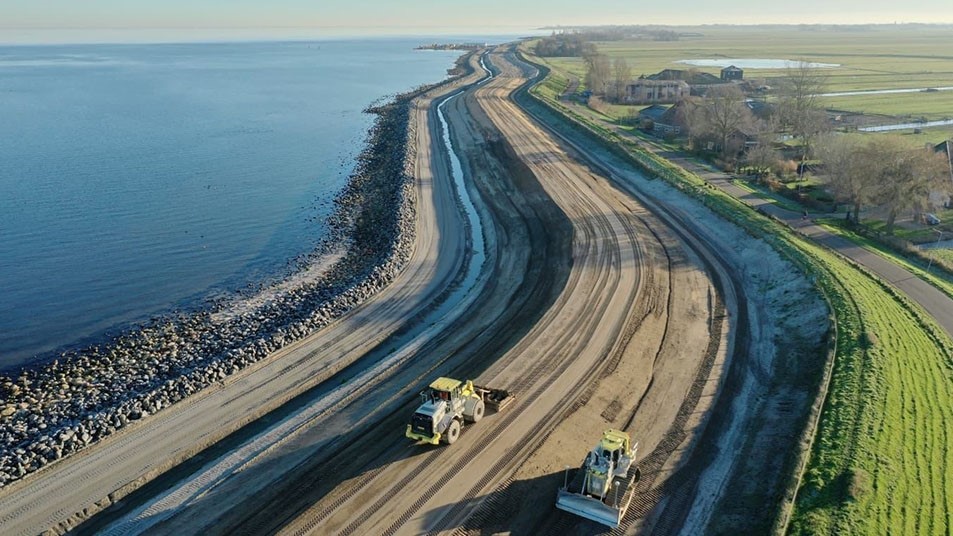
[[447, 403], [602, 488]]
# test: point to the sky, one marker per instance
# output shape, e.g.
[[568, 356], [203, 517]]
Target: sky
[[389, 17]]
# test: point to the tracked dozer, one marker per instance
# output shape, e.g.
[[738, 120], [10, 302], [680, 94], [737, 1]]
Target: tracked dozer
[[602, 488], [447, 404]]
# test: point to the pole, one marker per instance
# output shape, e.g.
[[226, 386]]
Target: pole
[[939, 236]]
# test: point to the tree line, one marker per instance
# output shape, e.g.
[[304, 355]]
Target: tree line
[[565, 45], [606, 77], [882, 170]]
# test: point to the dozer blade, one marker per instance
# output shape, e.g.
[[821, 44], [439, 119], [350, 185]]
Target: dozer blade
[[608, 513], [589, 508]]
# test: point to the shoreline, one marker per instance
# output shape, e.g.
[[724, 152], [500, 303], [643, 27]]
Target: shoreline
[[51, 410]]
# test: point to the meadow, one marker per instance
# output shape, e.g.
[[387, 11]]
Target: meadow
[[877, 58]]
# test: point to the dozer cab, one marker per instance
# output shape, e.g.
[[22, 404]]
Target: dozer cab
[[603, 487], [447, 403]]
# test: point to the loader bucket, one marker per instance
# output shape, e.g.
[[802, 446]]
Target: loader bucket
[[589, 508], [495, 399]]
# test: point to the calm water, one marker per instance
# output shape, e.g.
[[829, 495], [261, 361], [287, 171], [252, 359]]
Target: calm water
[[753, 63], [135, 179]]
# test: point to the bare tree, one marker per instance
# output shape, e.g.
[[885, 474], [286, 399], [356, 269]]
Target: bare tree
[[622, 75], [723, 112], [598, 73], [799, 105], [689, 115], [801, 88], [904, 176], [762, 158], [843, 165]]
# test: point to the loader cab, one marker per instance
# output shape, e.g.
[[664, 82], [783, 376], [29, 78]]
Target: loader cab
[[434, 395], [443, 389]]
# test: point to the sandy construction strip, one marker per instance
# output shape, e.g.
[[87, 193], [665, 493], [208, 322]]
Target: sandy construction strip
[[620, 275]]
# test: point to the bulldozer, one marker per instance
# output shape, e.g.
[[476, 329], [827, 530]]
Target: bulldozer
[[602, 488], [448, 404]]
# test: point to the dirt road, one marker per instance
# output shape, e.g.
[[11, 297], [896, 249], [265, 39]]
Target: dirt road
[[630, 330]]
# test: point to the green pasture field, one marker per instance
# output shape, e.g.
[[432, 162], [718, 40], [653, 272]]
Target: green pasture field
[[932, 135], [882, 454], [935, 105], [882, 57]]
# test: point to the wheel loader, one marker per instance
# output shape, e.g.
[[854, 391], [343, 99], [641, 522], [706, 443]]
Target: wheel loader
[[447, 404], [602, 488]]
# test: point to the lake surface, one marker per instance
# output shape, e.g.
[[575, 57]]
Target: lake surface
[[753, 63], [139, 179], [927, 90], [905, 126]]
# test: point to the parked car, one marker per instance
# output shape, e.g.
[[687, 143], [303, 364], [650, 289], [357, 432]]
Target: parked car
[[931, 219]]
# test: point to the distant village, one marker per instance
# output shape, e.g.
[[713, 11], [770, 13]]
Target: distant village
[[452, 46]]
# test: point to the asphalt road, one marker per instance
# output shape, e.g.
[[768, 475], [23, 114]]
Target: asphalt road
[[935, 302]]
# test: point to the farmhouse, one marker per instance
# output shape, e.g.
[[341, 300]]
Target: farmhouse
[[732, 73], [946, 148], [691, 77], [943, 197], [660, 120], [645, 91], [698, 81]]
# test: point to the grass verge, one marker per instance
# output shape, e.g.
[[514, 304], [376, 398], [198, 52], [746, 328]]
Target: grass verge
[[935, 276], [786, 204]]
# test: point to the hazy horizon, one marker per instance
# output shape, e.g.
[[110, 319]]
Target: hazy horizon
[[66, 36], [46, 21]]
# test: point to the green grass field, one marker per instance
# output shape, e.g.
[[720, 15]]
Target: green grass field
[[880, 58], [938, 105], [930, 135], [882, 457]]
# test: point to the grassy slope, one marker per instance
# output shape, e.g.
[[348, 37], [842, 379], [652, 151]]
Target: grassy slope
[[882, 456]]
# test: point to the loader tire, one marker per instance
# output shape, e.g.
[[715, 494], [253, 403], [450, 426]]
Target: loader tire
[[452, 433], [478, 410]]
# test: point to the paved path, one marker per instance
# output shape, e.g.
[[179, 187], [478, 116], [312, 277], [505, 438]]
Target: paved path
[[933, 300]]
